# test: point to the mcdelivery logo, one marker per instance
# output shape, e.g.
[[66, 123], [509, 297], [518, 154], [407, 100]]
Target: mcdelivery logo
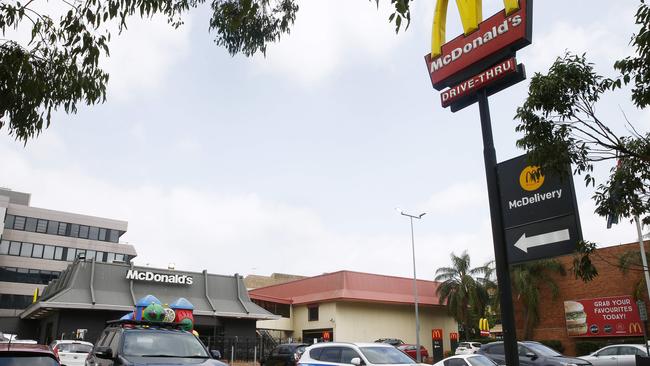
[[531, 178]]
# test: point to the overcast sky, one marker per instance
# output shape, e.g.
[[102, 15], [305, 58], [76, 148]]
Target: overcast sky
[[295, 162]]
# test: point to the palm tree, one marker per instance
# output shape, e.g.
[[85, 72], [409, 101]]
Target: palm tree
[[527, 281], [459, 288]]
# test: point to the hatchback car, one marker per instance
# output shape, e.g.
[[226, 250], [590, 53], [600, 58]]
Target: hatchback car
[[468, 348], [19, 354], [617, 355], [466, 360], [531, 354], [412, 350], [368, 354], [70, 352], [286, 354]]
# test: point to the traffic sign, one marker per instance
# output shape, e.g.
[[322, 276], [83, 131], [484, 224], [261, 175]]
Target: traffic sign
[[539, 212]]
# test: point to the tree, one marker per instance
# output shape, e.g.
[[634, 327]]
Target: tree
[[59, 67], [631, 261], [561, 127], [527, 281], [459, 289]]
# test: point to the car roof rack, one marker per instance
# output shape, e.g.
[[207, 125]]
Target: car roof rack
[[126, 323]]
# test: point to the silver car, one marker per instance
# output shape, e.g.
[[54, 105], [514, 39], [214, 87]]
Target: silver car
[[617, 355]]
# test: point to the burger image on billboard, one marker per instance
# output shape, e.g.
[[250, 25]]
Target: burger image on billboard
[[576, 318]]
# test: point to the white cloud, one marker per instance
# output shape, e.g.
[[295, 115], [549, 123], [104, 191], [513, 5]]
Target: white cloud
[[143, 54], [327, 35]]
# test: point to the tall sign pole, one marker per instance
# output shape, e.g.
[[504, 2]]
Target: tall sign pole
[[498, 239], [467, 70]]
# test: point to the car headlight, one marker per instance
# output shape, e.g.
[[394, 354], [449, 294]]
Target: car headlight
[[570, 364]]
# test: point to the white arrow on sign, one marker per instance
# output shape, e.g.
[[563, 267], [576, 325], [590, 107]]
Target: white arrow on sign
[[524, 243]]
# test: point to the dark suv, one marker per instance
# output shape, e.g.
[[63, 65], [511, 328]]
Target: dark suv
[[531, 354], [127, 343], [285, 354]]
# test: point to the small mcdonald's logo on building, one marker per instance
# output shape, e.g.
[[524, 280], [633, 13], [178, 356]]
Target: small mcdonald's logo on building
[[436, 334], [635, 328]]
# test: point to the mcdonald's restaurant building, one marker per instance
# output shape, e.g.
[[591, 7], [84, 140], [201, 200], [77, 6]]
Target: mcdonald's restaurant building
[[607, 310], [89, 293]]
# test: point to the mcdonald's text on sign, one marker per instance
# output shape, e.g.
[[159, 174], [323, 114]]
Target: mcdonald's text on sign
[[484, 79], [482, 45]]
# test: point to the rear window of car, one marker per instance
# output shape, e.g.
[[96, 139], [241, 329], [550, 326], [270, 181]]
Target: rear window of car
[[496, 349], [27, 360], [74, 347], [315, 353], [477, 345], [463, 344]]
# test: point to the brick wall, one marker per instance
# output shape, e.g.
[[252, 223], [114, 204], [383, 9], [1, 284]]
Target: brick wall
[[609, 282]]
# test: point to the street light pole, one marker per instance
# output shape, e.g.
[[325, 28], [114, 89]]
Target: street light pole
[[415, 284]]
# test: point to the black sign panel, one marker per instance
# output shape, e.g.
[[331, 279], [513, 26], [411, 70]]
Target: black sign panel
[[540, 215]]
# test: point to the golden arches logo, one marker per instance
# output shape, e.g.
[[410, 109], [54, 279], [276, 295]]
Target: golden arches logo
[[635, 328], [531, 178], [483, 324], [436, 334], [471, 14]]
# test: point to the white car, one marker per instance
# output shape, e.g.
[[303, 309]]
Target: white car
[[368, 354], [466, 360], [467, 348], [70, 352], [617, 355]]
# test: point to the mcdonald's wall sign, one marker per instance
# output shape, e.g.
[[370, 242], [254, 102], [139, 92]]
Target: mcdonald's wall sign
[[436, 334], [484, 45]]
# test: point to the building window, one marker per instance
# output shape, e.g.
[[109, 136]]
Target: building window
[[4, 247], [102, 234], [9, 222], [14, 249], [58, 253], [53, 227], [30, 224], [38, 251], [9, 301], [19, 223], [119, 257], [63, 227], [41, 226], [48, 252], [114, 236], [99, 256], [26, 250], [93, 233], [74, 230], [313, 312], [70, 256]]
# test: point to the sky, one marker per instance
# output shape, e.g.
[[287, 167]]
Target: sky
[[295, 162]]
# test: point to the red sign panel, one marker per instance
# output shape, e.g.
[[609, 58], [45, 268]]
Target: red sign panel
[[615, 316], [477, 82], [495, 35], [436, 334], [453, 336]]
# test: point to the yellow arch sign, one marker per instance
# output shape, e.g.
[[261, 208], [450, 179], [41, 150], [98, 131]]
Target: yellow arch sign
[[471, 14]]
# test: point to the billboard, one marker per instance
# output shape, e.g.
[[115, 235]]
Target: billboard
[[615, 316]]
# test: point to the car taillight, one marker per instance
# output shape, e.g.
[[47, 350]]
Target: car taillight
[[55, 350]]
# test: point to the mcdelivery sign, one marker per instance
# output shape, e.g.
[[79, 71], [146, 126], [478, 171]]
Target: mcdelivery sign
[[134, 274]]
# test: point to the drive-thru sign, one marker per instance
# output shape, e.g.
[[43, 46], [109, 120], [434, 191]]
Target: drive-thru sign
[[540, 216]]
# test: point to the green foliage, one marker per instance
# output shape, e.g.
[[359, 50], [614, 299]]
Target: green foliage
[[560, 127], [555, 344], [527, 281], [59, 67], [583, 268], [631, 260], [461, 290]]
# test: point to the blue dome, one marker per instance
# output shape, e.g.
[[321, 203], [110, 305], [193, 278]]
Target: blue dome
[[148, 300], [181, 303]]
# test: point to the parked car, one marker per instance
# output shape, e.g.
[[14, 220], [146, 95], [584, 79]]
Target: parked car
[[367, 354], [466, 360], [129, 343], [617, 355], [285, 355], [468, 348], [412, 350], [531, 354], [71, 352], [392, 341], [27, 354]]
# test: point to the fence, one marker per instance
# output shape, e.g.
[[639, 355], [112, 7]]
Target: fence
[[242, 349]]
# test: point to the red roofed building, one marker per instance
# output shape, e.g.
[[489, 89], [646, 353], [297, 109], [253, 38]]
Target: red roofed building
[[350, 306]]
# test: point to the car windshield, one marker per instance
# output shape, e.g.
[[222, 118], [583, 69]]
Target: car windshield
[[27, 360], [480, 360], [385, 355], [147, 343], [463, 344], [74, 347], [542, 350]]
